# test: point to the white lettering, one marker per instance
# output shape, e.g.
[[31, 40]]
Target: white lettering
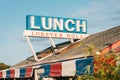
[[57, 24], [66, 25], [78, 25], [33, 24], [49, 23]]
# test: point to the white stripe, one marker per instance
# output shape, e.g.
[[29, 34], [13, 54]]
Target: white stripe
[[68, 68], [4, 73], [38, 66], [39, 71], [17, 73]]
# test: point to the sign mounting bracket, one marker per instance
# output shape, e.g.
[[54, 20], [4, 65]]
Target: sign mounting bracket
[[30, 44], [53, 44], [72, 40]]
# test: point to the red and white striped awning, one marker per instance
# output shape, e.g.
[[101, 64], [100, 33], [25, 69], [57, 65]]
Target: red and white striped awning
[[55, 69], [17, 73], [68, 68]]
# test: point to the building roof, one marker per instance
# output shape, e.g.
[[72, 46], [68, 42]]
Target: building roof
[[78, 49]]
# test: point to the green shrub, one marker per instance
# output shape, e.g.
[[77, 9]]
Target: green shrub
[[105, 66]]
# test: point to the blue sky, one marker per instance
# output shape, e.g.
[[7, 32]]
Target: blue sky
[[100, 15]]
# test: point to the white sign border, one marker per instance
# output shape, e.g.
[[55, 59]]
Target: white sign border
[[34, 33]]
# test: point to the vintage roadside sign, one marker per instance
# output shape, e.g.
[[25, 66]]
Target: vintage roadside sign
[[45, 26]]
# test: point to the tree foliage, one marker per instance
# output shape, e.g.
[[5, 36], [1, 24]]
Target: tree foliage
[[106, 66], [3, 66]]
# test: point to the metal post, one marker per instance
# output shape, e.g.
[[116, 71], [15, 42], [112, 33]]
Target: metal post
[[33, 52], [53, 44], [71, 39]]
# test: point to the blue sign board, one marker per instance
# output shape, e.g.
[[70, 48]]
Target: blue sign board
[[56, 24]]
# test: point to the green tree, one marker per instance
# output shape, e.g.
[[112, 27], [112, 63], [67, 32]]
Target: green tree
[[3, 66]]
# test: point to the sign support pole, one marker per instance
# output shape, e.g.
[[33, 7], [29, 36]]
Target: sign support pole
[[53, 44], [33, 52], [71, 39]]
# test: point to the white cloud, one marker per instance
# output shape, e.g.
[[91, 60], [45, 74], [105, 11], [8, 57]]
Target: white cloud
[[100, 14]]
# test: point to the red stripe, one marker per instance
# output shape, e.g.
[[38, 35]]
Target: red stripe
[[1, 74], [28, 72], [55, 69], [12, 73]]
